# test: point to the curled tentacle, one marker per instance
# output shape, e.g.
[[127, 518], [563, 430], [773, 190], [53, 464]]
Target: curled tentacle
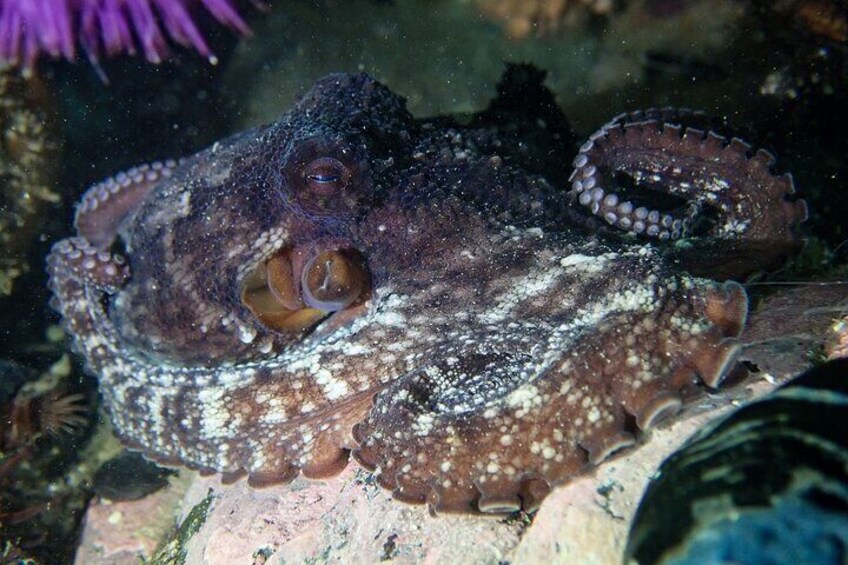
[[272, 293], [332, 281], [652, 173], [78, 259], [80, 274], [108, 202], [297, 288]]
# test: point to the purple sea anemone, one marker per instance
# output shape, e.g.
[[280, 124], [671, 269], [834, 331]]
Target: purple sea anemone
[[29, 28]]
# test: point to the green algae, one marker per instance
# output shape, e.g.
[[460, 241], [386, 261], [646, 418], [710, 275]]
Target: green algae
[[174, 551]]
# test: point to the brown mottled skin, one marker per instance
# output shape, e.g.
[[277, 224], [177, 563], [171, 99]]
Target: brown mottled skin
[[501, 347]]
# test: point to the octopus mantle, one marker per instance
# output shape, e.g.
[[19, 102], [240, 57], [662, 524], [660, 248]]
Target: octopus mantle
[[419, 293]]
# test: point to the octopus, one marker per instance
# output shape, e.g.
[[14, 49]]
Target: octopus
[[419, 294]]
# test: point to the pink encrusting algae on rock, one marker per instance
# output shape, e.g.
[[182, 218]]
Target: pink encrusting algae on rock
[[30, 28]]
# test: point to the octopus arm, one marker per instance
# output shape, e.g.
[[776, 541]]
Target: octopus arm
[[495, 420], [105, 205], [80, 276], [649, 174]]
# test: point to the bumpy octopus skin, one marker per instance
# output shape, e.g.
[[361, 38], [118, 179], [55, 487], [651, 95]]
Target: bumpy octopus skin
[[352, 279]]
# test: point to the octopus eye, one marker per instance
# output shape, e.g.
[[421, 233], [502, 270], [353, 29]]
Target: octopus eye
[[326, 175]]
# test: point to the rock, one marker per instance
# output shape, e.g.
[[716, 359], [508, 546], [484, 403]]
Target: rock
[[118, 533], [347, 518]]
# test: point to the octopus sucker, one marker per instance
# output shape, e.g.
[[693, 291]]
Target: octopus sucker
[[260, 479], [229, 478], [612, 445], [533, 491], [688, 182], [96, 268], [727, 307], [499, 504], [107, 203], [332, 462], [352, 281], [332, 280], [661, 408]]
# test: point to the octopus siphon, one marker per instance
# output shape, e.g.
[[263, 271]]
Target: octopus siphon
[[474, 325]]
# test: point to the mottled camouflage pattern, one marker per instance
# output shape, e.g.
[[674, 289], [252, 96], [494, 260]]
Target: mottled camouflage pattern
[[507, 348]]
